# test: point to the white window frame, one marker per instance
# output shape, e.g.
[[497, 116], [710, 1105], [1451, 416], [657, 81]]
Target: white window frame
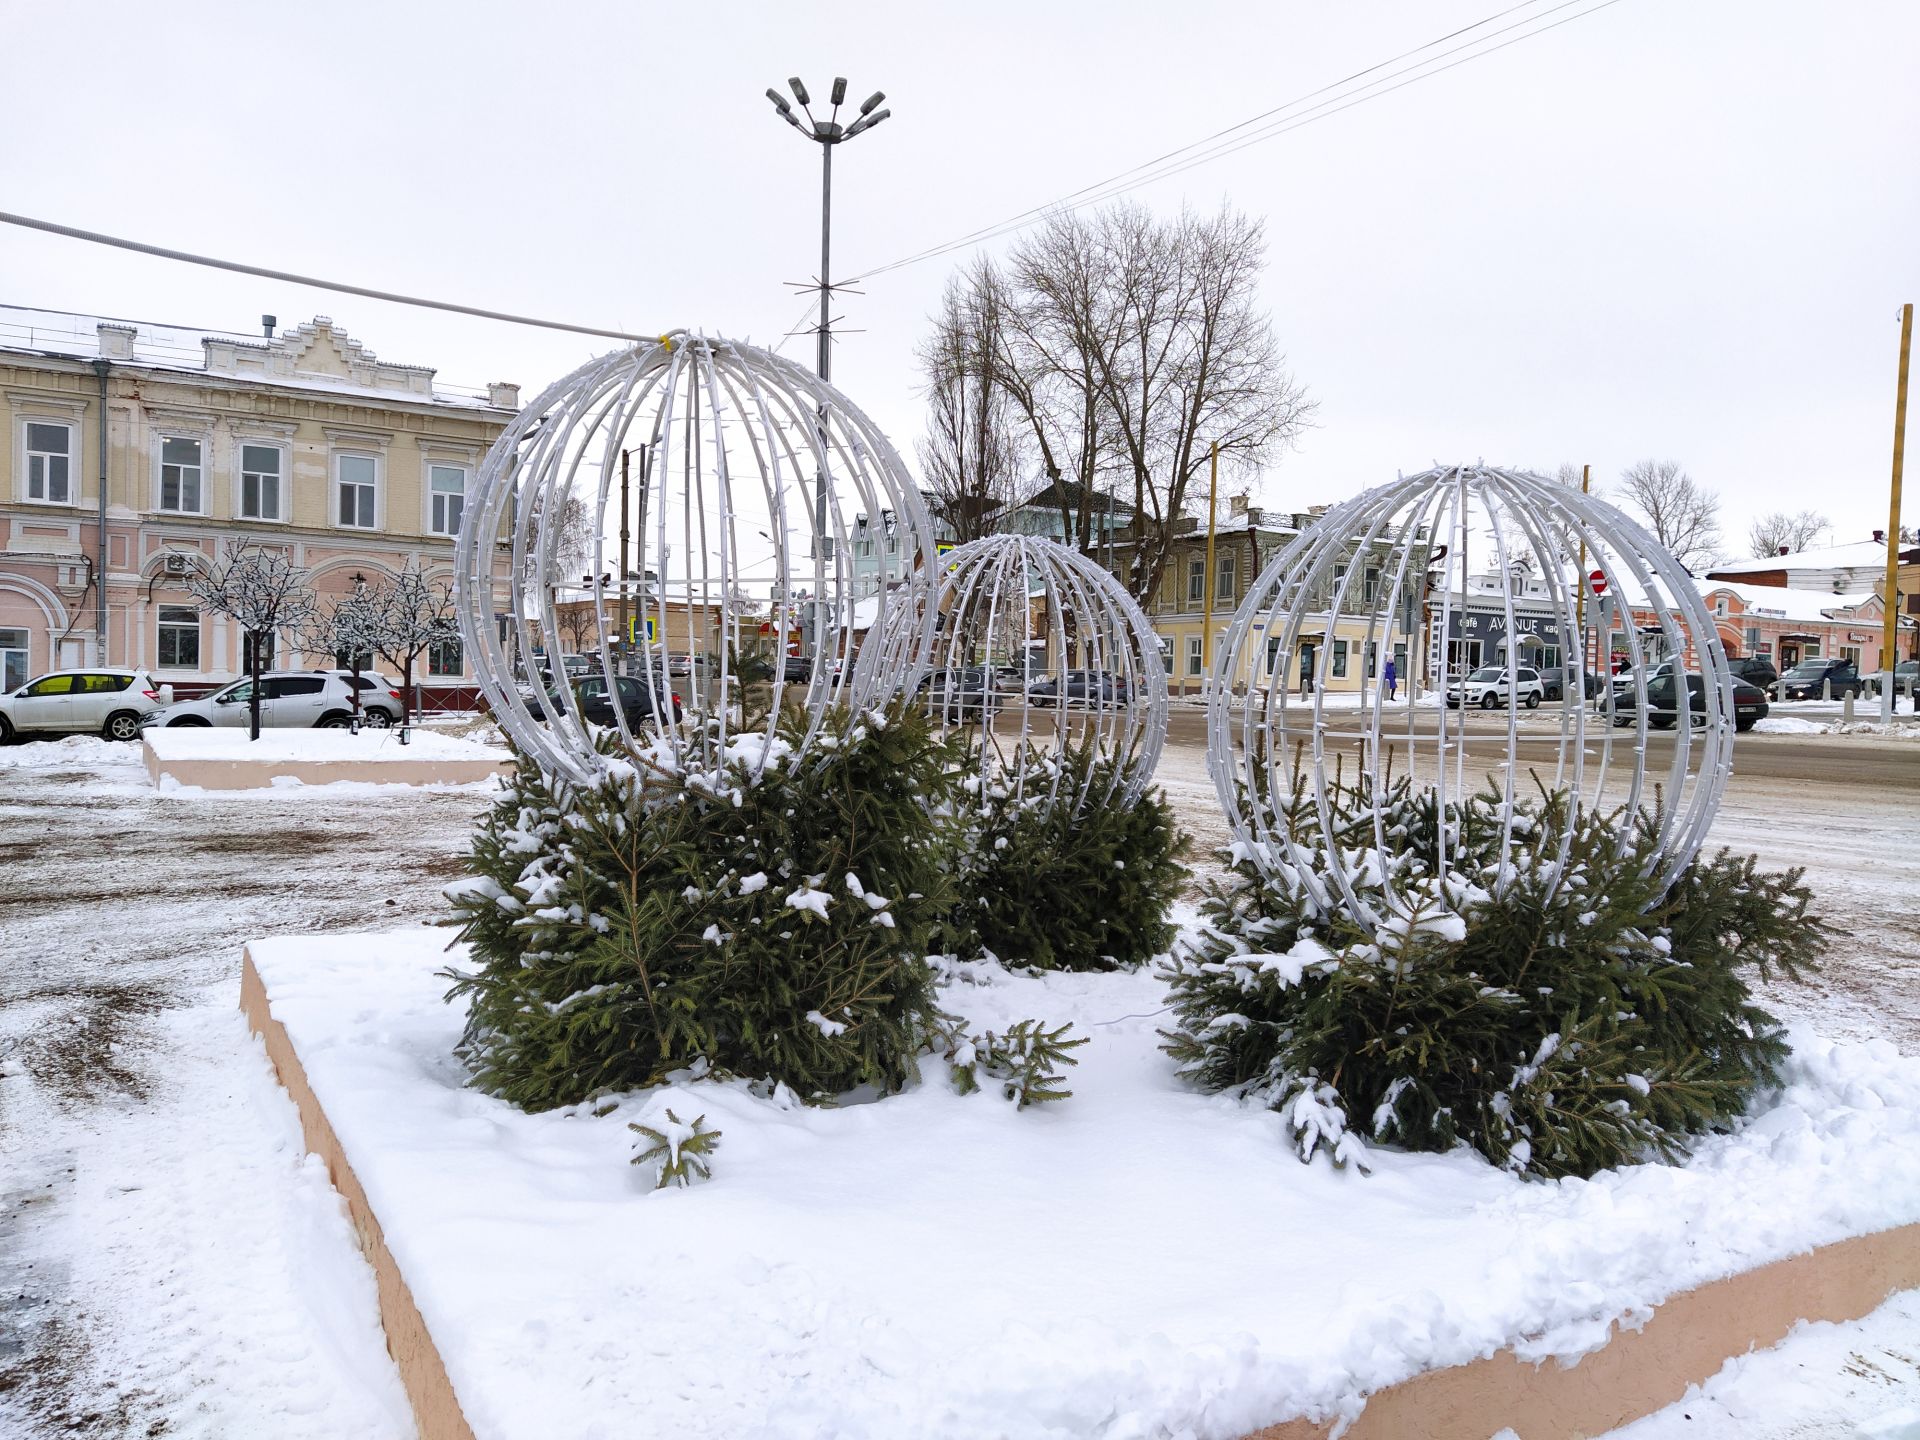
[[1226, 578], [1196, 580], [161, 622], [194, 437], [337, 484], [428, 466], [436, 651], [1196, 654], [241, 445], [27, 452], [1337, 649]]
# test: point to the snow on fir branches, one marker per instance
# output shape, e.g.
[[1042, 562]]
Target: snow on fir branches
[[770, 922], [1057, 886], [1556, 1029]]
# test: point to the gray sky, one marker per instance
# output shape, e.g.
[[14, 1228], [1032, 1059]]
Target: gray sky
[[1675, 228]]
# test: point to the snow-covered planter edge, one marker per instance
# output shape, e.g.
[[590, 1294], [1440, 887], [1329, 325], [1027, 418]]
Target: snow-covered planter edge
[[1628, 1364]]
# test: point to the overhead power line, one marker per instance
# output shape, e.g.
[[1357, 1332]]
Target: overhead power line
[[1339, 95], [28, 222]]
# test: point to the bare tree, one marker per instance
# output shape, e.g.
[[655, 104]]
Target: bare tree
[[1682, 513], [974, 448], [1778, 531], [578, 623], [1132, 345], [415, 614], [263, 592]]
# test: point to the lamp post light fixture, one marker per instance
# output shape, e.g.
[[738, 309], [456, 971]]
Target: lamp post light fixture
[[826, 133]]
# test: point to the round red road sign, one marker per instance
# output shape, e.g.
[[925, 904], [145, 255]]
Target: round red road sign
[[1597, 581]]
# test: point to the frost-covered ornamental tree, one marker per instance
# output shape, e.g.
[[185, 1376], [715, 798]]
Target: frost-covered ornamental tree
[[414, 614], [1558, 1030], [1059, 887], [349, 628], [265, 594], [772, 922]]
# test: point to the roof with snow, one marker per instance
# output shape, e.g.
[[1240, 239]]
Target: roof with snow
[[1779, 602], [1832, 557], [315, 356]]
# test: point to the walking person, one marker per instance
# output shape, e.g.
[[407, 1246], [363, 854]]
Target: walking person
[[1392, 677]]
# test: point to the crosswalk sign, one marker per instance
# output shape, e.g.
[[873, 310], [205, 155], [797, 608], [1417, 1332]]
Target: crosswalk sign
[[633, 629]]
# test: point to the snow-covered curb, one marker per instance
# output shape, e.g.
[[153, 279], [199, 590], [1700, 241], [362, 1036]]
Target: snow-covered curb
[[190, 760], [1135, 1260]]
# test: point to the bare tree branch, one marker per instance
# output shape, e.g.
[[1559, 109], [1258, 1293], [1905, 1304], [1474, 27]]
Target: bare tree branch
[[1682, 513], [1777, 531], [263, 592]]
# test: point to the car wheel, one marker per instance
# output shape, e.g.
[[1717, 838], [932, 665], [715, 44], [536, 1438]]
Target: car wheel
[[1533, 700], [121, 725], [1744, 725], [189, 722], [378, 719], [334, 722], [1489, 700], [6, 730]]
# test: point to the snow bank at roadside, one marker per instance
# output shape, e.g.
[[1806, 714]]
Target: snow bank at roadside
[[1134, 1260], [73, 752]]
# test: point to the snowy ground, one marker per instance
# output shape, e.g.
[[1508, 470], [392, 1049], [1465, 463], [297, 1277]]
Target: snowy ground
[[134, 1303]]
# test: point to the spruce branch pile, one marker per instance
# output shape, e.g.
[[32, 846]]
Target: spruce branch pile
[[1027, 1061], [1556, 1030], [1060, 888], [772, 925]]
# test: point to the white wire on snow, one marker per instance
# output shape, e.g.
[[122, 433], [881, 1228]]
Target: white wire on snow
[[1535, 526]]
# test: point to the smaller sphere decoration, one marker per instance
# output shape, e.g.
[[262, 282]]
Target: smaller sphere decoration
[[662, 545], [1043, 654], [1538, 640]]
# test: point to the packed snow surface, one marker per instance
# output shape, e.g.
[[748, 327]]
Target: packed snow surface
[[1136, 1260], [180, 742]]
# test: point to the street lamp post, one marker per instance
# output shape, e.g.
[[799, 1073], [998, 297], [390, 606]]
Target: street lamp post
[[826, 133]]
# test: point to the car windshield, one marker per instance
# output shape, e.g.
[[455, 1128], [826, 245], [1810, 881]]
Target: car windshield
[[1810, 669], [1486, 676]]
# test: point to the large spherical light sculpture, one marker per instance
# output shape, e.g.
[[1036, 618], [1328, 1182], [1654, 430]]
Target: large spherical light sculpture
[[1473, 580], [1044, 658], [728, 480]]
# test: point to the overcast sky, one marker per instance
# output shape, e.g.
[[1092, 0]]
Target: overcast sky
[[1673, 228]]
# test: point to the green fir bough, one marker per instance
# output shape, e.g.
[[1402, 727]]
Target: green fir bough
[[1557, 1029]]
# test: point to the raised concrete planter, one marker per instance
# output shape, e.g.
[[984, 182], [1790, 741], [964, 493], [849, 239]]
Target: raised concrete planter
[[210, 759], [1637, 1370]]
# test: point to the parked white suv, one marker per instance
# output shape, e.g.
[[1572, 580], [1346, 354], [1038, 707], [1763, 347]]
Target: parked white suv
[[379, 696], [105, 701], [1490, 686], [289, 699]]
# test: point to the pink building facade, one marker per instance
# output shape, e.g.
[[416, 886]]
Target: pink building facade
[[304, 441]]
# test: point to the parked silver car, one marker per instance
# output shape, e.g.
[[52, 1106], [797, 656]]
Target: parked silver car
[[105, 700], [289, 699]]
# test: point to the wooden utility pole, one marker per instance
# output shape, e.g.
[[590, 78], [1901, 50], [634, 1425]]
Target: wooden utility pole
[[1890, 621], [1206, 580]]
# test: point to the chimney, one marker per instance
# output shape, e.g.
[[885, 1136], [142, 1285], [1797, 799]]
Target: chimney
[[1784, 550], [503, 396], [267, 322], [1879, 537], [1237, 506], [116, 342]]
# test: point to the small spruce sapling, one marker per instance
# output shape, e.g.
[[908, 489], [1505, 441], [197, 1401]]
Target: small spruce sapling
[[683, 1152], [1027, 1060]]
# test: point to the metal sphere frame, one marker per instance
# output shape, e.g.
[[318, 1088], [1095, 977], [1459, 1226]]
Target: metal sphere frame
[[750, 465], [1011, 595], [1526, 526]]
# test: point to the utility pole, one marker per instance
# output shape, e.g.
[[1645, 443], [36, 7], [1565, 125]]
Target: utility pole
[[1890, 620], [1206, 579], [626, 622]]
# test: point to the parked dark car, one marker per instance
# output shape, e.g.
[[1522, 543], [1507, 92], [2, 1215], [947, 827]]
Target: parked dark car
[[797, 670], [1755, 670], [596, 705], [1906, 675], [1556, 680], [1083, 687], [1809, 680], [962, 693], [1749, 703]]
